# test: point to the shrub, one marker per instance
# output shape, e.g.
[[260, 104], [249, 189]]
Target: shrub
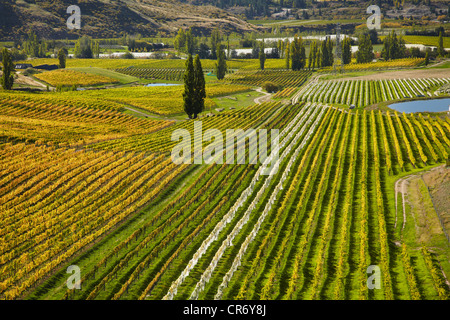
[[270, 87], [30, 71], [127, 55]]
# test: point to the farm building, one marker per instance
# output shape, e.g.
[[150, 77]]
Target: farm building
[[23, 66]]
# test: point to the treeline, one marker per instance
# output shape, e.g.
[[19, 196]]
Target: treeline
[[426, 32]]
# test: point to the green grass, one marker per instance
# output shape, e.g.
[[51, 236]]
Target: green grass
[[427, 40], [238, 101], [445, 65]]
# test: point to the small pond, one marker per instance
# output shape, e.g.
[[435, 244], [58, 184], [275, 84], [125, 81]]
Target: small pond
[[433, 105], [162, 84]]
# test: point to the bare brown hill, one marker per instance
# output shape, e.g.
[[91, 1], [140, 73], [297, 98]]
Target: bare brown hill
[[112, 18]]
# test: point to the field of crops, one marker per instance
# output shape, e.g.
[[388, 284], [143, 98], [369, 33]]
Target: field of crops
[[282, 78], [362, 93], [229, 242], [87, 179], [166, 100], [381, 65], [207, 64], [150, 73], [427, 40], [65, 77], [50, 119], [285, 93]]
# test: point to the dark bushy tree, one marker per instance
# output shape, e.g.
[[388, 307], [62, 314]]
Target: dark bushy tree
[[346, 51], [365, 49], [221, 65], [203, 51], [298, 55], [62, 58], [326, 49]]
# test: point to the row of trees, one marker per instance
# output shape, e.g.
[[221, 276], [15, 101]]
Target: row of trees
[[187, 43], [86, 48], [393, 47]]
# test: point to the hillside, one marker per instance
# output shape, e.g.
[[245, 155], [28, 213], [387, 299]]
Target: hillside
[[111, 18]]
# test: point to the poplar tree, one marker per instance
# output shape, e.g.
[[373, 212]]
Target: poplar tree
[[190, 42], [262, 55], [310, 56], [318, 61], [7, 79], [330, 52], [215, 40], [315, 55], [180, 40]]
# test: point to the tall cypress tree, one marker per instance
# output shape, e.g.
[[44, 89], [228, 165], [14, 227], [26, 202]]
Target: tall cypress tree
[[189, 91], [288, 54], [365, 49], [7, 79], [199, 87]]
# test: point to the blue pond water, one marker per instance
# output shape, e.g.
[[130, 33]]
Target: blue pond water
[[433, 105], [162, 84]]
